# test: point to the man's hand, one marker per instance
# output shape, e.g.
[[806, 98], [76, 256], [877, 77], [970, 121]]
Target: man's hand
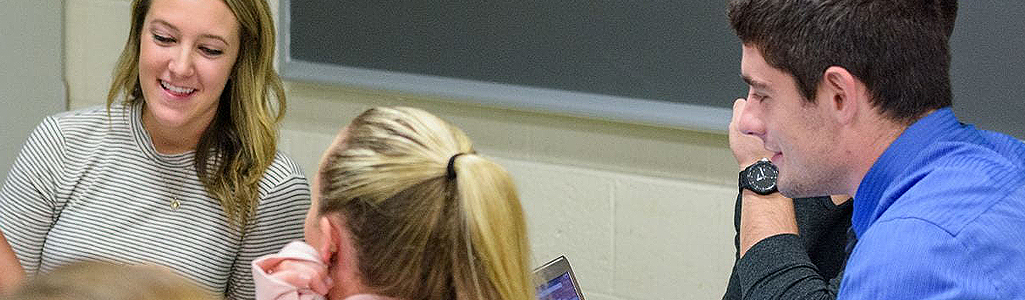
[[747, 149], [761, 216]]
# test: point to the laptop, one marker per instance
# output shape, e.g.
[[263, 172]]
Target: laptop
[[555, 281]]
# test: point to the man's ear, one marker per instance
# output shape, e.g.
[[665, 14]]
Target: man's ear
[[843, 93]]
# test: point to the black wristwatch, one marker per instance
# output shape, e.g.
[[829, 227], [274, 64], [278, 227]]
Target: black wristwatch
[[760, 177]]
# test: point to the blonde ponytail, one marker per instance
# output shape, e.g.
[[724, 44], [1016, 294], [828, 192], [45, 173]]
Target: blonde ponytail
[[419, 231], [493, 221]]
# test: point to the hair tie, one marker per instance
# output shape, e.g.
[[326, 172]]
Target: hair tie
[[450, 170]]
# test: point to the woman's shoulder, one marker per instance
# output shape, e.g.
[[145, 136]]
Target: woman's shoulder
[[78, 125], [89, 120], [91, 113], [284, 189], [281, 170]]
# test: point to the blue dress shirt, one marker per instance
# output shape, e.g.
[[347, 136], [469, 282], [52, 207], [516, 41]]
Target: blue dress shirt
[[941, 215]]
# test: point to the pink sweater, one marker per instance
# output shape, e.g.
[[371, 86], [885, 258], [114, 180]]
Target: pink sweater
[[269, 287]]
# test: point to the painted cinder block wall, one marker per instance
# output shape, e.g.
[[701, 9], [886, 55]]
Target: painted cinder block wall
[[642, 212]]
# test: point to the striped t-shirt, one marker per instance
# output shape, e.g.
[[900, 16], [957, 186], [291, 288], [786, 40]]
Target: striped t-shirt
[[91, 186]]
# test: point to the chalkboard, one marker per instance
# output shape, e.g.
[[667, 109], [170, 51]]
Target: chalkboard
[[988, 65], [671, 63], [665, 63]]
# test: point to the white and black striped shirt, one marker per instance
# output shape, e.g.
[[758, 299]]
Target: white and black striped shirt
[[91, 186]]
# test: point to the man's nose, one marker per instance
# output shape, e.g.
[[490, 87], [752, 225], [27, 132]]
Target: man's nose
[[751, 121]]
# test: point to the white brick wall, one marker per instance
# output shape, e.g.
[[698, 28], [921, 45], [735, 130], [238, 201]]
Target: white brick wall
[[94, 34], [641, 212]]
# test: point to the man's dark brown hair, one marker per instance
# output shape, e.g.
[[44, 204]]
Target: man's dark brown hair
[[897, 48]]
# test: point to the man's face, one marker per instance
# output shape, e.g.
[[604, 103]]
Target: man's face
[[799, 134]]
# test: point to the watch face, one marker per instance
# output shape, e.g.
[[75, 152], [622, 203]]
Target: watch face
[[761, 177]]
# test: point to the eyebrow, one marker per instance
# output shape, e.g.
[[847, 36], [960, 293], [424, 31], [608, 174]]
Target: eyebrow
[[755, 83], [205, 35]]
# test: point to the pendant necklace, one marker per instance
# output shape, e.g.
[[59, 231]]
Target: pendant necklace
[[175, 191]]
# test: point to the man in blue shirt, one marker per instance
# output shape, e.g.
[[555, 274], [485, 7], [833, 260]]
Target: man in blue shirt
[[853, 97]]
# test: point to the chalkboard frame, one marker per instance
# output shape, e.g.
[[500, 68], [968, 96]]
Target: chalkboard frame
[[499, 95]]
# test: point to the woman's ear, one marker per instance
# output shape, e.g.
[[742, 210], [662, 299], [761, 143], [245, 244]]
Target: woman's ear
[[339, 252], [329, 239]]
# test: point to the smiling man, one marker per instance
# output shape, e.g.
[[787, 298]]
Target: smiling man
[[853, 97]]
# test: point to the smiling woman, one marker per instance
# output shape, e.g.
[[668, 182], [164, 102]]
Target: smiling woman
[[181, 167], [183, 69]]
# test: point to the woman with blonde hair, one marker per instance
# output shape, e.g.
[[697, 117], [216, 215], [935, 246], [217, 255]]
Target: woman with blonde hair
[[404, 208], [181, 167], [93, 280]]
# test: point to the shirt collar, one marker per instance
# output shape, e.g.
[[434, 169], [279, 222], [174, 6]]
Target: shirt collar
[[893, 163], [145, 142]]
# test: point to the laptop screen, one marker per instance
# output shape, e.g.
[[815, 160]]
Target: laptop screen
[[555, 281], [559, 288]]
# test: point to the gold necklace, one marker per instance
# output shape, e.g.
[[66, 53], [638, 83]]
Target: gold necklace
[[175, 192]]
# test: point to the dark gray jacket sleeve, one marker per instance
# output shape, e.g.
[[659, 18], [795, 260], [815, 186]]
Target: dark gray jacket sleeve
[[779, 267]]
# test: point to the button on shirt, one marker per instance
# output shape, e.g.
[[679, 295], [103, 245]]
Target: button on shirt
[[941, 215]]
